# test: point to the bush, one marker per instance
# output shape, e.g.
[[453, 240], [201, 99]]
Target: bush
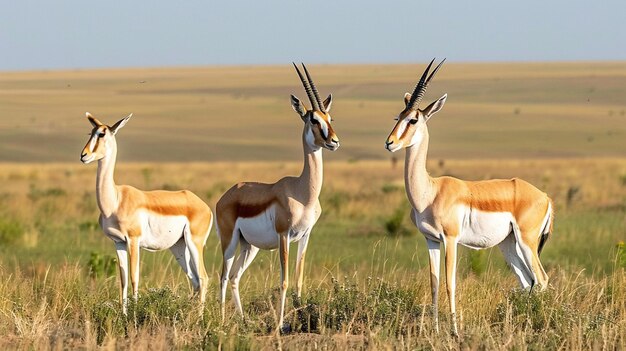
[[334, 202], [394, 225], [157, 306], [88, 226], [101, 265], [356, 309], [36, 193], [478, 261], [11, 231], [388, 188], [537, 310], [153, 309]]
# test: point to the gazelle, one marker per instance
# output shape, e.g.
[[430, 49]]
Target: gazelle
[[270, 216], [152, 220], [511, 213]]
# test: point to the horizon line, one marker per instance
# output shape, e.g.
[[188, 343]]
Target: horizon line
[[373, 63]]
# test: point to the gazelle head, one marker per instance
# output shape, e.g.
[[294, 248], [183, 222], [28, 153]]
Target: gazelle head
[[102, 139], [411, 126], [318, 131]]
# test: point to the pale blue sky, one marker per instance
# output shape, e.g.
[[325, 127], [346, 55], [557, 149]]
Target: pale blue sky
[[84, 34]]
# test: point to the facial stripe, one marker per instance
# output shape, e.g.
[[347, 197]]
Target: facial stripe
[[402, 128], [324, 126], [93, 142]]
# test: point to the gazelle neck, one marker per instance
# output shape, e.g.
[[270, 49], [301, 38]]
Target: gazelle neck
[[106, 191], [312, 175], [417, 182]]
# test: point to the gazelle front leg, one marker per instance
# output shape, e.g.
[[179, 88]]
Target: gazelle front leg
[[451, 250], [434, 255], [247, 253], [284, 276], [302, 245], [122, 263], [133, 248]]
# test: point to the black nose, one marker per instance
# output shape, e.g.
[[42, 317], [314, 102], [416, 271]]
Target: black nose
[[83, 154], [389, 142]]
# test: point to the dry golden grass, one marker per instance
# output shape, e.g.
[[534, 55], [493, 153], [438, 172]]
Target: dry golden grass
[[50, 301]]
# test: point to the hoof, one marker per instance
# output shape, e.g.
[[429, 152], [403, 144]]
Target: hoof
[[285, 328]]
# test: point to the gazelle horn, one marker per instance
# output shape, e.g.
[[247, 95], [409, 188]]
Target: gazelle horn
[[307, 88], [317, 95], [420, 88]]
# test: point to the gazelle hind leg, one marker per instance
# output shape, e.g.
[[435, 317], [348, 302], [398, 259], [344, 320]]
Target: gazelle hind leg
[[195, 245], [228, 259], [514, 258], [204, 277], [529, 252], [183, 257], [247, 253], [284, 276], [133, 253], [302, 245], [541, 273], [530, 240]]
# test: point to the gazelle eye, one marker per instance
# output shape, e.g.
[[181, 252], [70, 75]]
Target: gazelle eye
[[314, 121], [100, 135], [413, 121]]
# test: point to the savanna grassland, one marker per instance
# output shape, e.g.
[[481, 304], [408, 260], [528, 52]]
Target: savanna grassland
[[561, 126]]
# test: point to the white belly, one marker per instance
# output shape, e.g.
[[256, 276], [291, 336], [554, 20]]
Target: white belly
[[480, 229], [260, 231], [161, 232]]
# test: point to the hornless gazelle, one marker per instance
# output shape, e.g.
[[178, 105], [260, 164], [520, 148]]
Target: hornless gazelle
[[511, 213], [270, 216], [152, 220]]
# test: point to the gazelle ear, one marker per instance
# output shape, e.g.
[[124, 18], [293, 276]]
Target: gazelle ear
[[119, 124], [328, 102], [93, 120], [298, 106], [407, 98], [434, 107]]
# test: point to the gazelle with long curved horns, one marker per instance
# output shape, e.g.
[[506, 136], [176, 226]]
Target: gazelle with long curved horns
[[511, 213], [270, 216], [150, 220]]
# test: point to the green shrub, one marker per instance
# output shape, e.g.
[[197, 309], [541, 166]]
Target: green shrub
[[388, 188], [334, 202], [156, 306], [107, 319], [101, 265], [88, 226], [537, 310], [356, 309], [478, 261], [394, 225], [11, 231], [35, 193]]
